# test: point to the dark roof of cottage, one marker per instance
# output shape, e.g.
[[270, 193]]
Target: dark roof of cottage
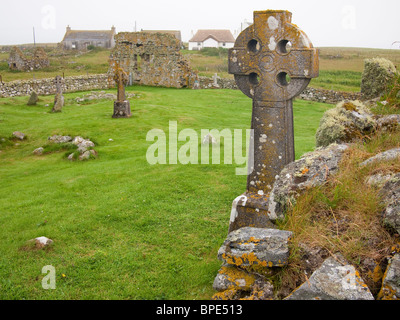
[[218, 35], [77, 35], [175, 33]]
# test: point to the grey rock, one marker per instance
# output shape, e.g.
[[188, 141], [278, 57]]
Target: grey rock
[[230, 277], [334, 280], [388, 155], [60, 139], [251, 246], [391, 281], [38, 151], [388, 122], [378, 180], [19, 135], [390, 194], [84, 156], [311, 170]]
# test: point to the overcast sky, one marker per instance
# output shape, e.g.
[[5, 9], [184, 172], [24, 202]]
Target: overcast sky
[[349, 23]]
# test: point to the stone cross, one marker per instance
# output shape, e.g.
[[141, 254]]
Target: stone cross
[[122, 108], [272, 61], [58, 98], [58, 82]]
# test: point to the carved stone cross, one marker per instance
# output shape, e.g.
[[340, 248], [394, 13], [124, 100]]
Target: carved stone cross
[[122, 108], [58, 82], [272, 61], [58, 98]]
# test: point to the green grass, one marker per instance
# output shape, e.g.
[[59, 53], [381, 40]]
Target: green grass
[[122, 229]]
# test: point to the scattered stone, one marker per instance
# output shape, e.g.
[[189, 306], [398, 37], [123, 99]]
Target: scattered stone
[[391, 281], [209, 139], [38, 151], [256, 246], [81, 142], [33, 99], [334, 280], [19, 135], [378, 72], [85, 155], [388, 155], [42, 242], [60, 139], [312, 170], [344, 123]]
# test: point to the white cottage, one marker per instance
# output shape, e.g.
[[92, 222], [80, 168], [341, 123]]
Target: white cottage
[[212, 39]]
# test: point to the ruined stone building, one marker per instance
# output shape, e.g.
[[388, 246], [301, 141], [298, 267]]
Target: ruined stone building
[[211, 39], [81, 39], [19, 61], [176, 33], [151, 59]]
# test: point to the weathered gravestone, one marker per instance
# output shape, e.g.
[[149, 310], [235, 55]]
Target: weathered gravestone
[[122, 108], [272, 61], [59, 98]]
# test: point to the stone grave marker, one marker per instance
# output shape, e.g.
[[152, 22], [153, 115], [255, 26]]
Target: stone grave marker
[[59, 98], [272, 62], [122, 108]]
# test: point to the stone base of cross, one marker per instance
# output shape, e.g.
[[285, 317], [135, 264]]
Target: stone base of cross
[[272, 61], [122, 109]]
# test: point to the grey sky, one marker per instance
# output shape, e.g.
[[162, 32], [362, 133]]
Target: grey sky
[[349, 23]]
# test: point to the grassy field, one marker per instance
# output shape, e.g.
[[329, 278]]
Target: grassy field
[[340, 68], [122, 228]]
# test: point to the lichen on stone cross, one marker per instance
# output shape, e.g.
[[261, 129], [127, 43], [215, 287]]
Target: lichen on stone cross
[[58, 82], [121, 78], [272, 61]]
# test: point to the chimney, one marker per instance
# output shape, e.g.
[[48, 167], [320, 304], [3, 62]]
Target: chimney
[[68, 28], [113, 29]]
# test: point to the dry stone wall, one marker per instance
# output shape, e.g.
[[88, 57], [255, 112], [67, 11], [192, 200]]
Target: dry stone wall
[[47, 86], [104, 81]]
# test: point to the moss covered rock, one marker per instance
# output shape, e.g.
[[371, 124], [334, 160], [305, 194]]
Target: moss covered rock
[[378, 72], [342, 124]]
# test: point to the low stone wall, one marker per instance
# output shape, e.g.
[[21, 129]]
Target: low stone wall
[[312, 94], [101, 81], [47, 86]]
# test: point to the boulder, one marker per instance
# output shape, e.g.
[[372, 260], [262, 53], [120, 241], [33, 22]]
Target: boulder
[[390, 194], [344, 123], [391, 281], [249, 246], [334, 280], [377, 74], [312, 170]]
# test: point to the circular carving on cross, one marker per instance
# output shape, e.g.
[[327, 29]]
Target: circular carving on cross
[[270, 47]]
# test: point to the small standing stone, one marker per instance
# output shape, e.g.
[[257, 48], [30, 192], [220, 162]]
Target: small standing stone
[[33, 99]]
